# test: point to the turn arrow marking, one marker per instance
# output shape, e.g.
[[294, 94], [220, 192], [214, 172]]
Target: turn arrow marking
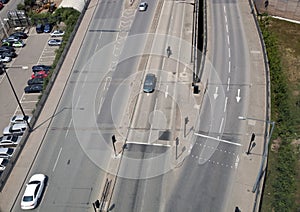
[[238, 98], [216, 93]]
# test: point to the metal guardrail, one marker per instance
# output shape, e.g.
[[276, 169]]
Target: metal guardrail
[[5, 175]]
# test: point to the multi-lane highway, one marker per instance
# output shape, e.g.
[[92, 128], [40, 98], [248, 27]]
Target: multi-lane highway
[[177, 157]]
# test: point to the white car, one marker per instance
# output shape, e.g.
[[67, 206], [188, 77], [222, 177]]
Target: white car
[[10, 140], [5, 59], [57, 33], [143, 6], [33, 191], [15, 129], [54, 42], [6, 152], [19, 119], [3, 163], [18, 44]]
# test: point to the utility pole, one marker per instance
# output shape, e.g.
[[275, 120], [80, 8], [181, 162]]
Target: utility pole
[[3, 68]]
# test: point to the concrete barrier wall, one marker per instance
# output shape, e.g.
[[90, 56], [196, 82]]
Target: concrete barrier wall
[[289, 9]]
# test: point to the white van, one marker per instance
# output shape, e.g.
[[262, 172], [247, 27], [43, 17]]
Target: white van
[[19, 119]]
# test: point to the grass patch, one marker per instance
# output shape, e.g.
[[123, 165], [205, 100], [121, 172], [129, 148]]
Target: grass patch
[[282, 185]]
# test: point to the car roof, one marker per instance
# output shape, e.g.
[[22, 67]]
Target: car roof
[[30, 188], [19, 125], [3, 150]]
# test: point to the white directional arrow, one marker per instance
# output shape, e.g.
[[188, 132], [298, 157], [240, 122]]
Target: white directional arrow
[[216, 93], [238, 98]]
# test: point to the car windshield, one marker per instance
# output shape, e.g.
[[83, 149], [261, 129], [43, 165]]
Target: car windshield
[[14, 138], [27, 198], [34, 182], [10, 151]]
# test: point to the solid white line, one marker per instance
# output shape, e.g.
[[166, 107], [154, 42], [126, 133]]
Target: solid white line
[[99, 110], [225, 105], [218, 139], [229, 66], [57, 159], [68, 128], [221, 125], [228, 83], [77, 102], [28, 101], [166, 93]]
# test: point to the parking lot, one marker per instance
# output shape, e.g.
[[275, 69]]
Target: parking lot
[[36, 51]]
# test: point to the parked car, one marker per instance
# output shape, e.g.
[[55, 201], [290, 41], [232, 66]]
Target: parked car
[[7, 43], [19, 119], [11, 38], [47, 28], [39, 28], [10, 140], [18, 44], [21, 35], [5, 59], [7, 48], [143, 6], [1, 5], [39, 74], [57, 33], [15, 129], [35, 88], [6, 152], [3, 163], [54, 42], [33, 191], [37, 68], [35, 81], [149, 83], [8, 54], [4, 1]]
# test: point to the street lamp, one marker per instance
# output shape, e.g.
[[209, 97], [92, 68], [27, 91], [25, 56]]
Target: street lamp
[[3, 68], [265, 154]]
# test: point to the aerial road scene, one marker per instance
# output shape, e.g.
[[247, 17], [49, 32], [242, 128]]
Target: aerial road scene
[[133, 106]]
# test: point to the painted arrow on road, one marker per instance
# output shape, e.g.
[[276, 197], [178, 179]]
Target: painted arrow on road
[[238, 98], [216, 93]]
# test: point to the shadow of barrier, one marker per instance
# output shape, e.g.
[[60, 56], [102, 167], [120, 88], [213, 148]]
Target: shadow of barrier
[[12, 161]]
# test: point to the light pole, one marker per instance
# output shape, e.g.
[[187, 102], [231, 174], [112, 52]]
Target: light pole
[[3, 68], [265, 153]]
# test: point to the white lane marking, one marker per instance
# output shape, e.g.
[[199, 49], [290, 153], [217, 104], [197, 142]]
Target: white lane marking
[[107, 83], [57, 159], [77, 102], [216, 92], [229, 66], [227, 28], [228, 83], [166, 93], [68, 128], [99, 109], [224, 9], [237, 161], [221, 125], [228, 41], [238, 98], [225, 105], [218, 139], [229, 52], [225, 18]]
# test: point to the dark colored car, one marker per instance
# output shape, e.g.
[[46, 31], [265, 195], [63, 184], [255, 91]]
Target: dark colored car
[[47, 28], [21, 35], [35, 88], [4, 1], [39, 28], [8, 54], [7, 48], [37, 68], [149, 84], [35, 81]]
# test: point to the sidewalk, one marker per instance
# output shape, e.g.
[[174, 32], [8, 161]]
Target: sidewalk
[[249, 165], [19, 173]]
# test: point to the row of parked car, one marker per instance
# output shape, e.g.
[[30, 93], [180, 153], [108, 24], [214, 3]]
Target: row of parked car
[[12, 135], [47, 28]]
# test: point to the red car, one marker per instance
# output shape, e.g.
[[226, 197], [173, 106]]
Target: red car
[[40, 74], [1, 5]]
